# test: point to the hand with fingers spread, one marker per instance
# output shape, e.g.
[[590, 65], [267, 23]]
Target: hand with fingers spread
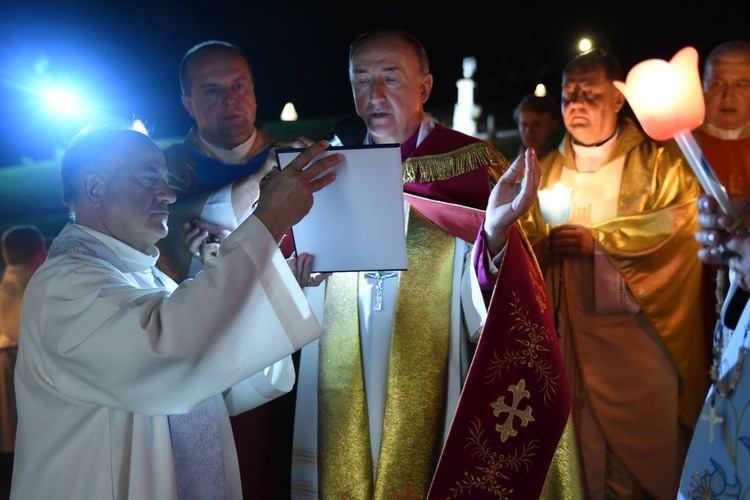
[[287, 195], [245, 191], [511, 198]]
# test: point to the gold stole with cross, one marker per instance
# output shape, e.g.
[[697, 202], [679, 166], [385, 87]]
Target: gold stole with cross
[[416, 385]]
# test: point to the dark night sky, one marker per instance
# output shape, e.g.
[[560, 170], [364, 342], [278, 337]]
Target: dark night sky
[[127, 53]]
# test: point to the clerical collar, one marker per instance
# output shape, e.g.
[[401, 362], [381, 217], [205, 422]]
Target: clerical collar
[[591, 158], [428, 123], [235, 156], [727, 135], [601, 143], [409, 144], [134, 259]]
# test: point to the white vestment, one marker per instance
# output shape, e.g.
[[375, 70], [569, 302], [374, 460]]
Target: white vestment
[[718, 460], [106, 354], [468, 313]]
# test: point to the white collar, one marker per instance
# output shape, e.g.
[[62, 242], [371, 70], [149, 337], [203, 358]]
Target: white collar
[[235, 156], [133, 259], [590, 158], [727, 135], [428, 123]]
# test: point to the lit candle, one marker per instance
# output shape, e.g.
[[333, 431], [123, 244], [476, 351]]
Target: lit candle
[[555, 204], [667, 99]]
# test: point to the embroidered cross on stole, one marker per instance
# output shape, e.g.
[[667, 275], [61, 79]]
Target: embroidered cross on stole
[[414, 410]]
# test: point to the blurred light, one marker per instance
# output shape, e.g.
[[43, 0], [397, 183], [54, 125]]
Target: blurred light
[[139, 126], [288, 114], [540, 90], [63, 101], [584, 45]]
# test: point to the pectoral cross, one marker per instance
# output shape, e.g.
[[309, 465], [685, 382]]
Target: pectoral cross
[[712, 418], [379, 278]]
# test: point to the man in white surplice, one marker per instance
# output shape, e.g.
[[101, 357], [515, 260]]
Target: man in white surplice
[[125, 381]]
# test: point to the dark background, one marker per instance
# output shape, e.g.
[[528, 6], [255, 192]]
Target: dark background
[[127, 53]]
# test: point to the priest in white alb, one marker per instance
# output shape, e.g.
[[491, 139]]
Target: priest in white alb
[[125, 381]]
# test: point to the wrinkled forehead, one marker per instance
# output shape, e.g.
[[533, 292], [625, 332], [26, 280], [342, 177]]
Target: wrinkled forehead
[[386, 51], [584, 76], [731, 62]]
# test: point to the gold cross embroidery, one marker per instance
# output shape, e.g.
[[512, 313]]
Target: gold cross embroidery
[[506, 429]]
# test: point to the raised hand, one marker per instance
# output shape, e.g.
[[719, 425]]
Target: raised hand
[[513, 195], [287, 195]]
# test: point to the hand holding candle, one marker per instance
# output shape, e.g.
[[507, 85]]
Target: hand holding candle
[[667, 99], [555, 204]]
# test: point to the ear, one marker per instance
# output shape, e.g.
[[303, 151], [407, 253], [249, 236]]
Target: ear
[[619, 101], [426, 87], [93, 186], [187, 101]]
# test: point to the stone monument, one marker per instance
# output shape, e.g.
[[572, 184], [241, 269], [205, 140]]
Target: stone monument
[[465, 113]]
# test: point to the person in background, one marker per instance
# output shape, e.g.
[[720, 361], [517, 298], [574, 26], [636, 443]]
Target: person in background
[[538, 120], [215, 173], [125, 380], [718, 460], [724, 138], [216, 170], [378, 393], [23, 251], [625, 287]]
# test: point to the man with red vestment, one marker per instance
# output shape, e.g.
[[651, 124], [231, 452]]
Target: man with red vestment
[[724, 138], [378, 394]]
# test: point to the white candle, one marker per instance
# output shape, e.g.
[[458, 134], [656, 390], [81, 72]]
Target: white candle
[[555, 204]]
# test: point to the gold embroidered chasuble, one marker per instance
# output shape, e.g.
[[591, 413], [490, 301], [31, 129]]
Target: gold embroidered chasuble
[[418, 366], [412, 435], [652, 243]]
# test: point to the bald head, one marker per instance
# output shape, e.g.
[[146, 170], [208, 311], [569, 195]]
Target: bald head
[[115, 181], [96, 150], [726, 85]]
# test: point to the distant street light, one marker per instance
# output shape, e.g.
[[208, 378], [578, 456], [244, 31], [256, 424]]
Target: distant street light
[[584, 45], [289, 114]]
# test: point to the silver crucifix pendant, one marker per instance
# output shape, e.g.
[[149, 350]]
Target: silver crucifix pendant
[[379, 278]]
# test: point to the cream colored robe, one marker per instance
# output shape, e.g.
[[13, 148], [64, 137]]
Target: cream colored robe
[[105, 355]]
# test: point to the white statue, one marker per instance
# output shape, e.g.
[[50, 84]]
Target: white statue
[[466, 112]]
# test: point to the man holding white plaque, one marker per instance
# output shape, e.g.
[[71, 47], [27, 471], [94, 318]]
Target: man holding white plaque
[[378, 394]]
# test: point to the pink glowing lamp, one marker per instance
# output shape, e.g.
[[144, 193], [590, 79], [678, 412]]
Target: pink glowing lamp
[[667, 99]]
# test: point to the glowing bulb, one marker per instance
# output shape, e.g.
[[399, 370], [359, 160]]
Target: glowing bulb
[[288, 114]]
